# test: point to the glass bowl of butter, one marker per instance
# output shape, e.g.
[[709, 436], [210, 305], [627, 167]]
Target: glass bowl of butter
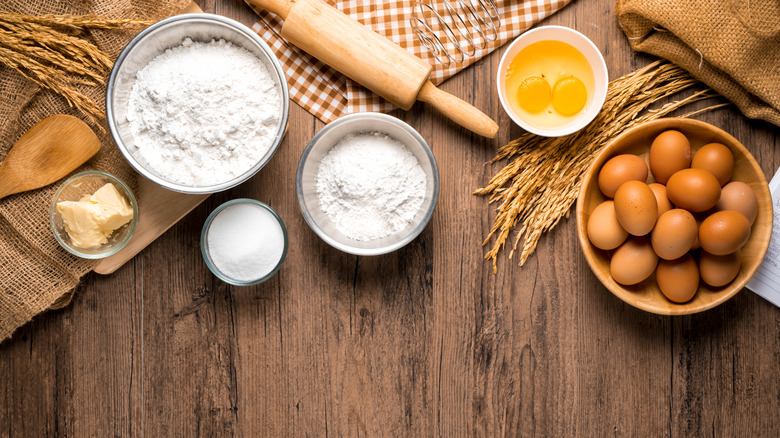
[[93, 214]]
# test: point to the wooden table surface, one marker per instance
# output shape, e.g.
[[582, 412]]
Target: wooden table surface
[[421, 342]]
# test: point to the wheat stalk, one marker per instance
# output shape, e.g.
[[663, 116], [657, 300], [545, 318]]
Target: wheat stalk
[[46, 51], [537, 188], [47, 77], [76, 22]]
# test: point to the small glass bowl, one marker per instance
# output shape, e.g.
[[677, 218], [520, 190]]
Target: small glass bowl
[[204, 249], [73, 189]]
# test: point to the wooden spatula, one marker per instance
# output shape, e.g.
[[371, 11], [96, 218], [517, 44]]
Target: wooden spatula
[[51, 149]]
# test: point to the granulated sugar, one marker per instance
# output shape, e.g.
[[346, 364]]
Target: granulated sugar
[[203, 113], [370, 186], [245, 242]]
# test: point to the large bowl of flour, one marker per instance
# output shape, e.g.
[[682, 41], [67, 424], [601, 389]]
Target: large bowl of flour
[[197, 103]]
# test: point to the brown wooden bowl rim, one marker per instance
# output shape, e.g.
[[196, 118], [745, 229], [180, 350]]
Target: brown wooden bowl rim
[[585, 245]]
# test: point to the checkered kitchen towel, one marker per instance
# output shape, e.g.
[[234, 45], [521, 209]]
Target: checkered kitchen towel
[[328, 94]]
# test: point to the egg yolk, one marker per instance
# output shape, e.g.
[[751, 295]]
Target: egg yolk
[[569, 95], [533, 94]]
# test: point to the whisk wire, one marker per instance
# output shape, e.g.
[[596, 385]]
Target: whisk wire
[[454, 32]]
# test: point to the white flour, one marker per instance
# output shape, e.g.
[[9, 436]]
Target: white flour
[[203, 113], [370, 186]]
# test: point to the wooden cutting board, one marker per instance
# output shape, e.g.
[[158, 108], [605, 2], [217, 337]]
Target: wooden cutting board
[[158, 210]]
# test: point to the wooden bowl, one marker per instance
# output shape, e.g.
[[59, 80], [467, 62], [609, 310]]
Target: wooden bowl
[[646, 295]]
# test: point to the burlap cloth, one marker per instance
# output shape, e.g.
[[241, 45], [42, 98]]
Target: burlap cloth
[[34, 271], [731, 45]]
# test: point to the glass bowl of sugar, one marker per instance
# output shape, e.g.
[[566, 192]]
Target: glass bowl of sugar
[[244, 242], [367, 184]]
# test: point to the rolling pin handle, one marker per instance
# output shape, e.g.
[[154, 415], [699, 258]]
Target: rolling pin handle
[[278, 7], [457, 110]]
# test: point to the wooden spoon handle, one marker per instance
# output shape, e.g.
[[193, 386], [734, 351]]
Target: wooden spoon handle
[[457, 110]]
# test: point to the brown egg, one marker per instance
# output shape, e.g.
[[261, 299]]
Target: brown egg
[[664, 204], [724, 232], [699, 219], [738, 196], [716, 159], [620, 169], [674, 234], [633, 262], [604, 230], [719, 270], [678, 279], [636, 208], [669, 154], [695, 190]]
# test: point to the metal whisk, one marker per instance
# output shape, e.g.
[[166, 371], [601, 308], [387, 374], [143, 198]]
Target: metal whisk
[[451, 33]]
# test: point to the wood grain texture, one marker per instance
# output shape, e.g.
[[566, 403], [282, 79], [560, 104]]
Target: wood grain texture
[[161, 209], [351, 48], [422, 342], [47, 152], [458, 110]]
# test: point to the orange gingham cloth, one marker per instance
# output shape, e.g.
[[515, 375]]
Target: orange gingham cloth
[[328, 94]]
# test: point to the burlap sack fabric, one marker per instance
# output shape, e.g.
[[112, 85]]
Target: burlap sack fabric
[[35, 273], [731, 45]]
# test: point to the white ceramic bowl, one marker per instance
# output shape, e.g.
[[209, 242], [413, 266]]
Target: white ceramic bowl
[[153, 41], [324, 141], [584, 46]]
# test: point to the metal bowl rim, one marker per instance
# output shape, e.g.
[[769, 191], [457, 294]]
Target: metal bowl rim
[[138, 166], [348, 248]]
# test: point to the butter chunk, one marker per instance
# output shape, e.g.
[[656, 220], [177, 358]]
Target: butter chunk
[[91, 220]]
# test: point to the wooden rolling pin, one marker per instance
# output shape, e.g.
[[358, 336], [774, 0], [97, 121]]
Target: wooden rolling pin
[[369, 59]]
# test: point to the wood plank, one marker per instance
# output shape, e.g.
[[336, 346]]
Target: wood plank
[[161, 208], [189, 352], [31, 384], [103, 353], [726, 365], [280, 324], [455, 278], [77, 372], [425, 341]]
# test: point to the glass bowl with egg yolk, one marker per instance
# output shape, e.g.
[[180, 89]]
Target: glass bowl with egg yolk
[[549, 84]]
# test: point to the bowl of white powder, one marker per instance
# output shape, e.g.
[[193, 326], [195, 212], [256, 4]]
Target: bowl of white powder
[[197, 103], [367, 184], [244, 242]]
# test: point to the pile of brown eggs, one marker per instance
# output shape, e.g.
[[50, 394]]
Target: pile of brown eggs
[[689, 224]]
